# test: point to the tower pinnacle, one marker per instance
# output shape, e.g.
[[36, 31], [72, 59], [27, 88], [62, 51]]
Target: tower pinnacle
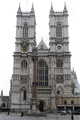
[[19, 9], [51, 10], [65, 8], [32, 9]]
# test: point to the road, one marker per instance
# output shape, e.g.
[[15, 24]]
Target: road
[[49, 117]]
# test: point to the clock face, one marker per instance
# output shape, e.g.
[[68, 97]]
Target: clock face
[[24, 46], [59, 47]]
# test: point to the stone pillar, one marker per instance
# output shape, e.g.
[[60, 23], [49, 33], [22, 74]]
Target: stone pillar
[[34, 84], [73, 107], [34, 59], [34, 102], [53, 95], [65, 107], [53, 104]]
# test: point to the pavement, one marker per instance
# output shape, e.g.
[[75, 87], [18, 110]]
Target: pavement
[[4, 116]]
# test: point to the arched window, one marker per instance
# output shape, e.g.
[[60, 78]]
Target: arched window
[[25, 30], [58, 92], [58, 30], [72, 102], [23, 93], [42, 73], [65, 102], [59, 63], [3, 105], [24, 64]]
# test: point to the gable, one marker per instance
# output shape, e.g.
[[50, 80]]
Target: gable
[[42, 45]]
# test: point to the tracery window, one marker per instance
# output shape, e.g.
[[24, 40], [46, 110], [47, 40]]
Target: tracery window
[[59, 63], [25, 30], [58, 30], [42, 73], [24, 64]]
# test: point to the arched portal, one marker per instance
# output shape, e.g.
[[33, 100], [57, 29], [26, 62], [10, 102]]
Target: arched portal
[[41, 106]]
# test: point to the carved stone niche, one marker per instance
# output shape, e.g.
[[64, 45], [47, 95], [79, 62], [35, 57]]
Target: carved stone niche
[[23, 79], [59, 79]]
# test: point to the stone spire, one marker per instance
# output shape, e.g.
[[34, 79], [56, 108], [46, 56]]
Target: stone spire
[[51, 10], [73, 71], [32, 9], [1, 93], [65, 8], [19, 9], [42, 39], [75, 76]]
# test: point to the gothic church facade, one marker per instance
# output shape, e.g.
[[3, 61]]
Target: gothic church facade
[[56, 83]]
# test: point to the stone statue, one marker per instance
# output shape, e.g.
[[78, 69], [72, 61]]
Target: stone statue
[[34, 51]]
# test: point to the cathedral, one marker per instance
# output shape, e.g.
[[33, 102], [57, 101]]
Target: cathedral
[[57, 85]]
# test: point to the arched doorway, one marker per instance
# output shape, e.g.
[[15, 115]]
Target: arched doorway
[[41, 106], [3, 105]]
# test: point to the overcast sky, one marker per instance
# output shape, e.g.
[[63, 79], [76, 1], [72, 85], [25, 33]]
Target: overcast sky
[[8, 10]]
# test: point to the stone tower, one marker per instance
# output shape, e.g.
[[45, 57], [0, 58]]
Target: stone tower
[[59, 50], [22, 77]]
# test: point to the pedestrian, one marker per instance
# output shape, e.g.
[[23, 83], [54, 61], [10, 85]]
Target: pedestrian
[[72, 118], [21, 114], [8, 112]]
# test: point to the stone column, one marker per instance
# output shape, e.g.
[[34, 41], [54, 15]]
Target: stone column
[[34, 103], [34, 84], [53, 95], [34, 59]]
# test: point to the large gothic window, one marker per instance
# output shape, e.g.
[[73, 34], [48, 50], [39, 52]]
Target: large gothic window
[[24, 64], [25, 30], [59, 63], [58, 30], [42, 73]]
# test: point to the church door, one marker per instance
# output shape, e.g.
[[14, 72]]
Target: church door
[[41, 106]]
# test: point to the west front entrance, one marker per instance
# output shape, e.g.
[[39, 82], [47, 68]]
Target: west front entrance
[[41, 106]]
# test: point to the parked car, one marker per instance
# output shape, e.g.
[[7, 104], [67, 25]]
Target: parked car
[[68, 112], [59, 111], [63, 113], [76, 113]]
